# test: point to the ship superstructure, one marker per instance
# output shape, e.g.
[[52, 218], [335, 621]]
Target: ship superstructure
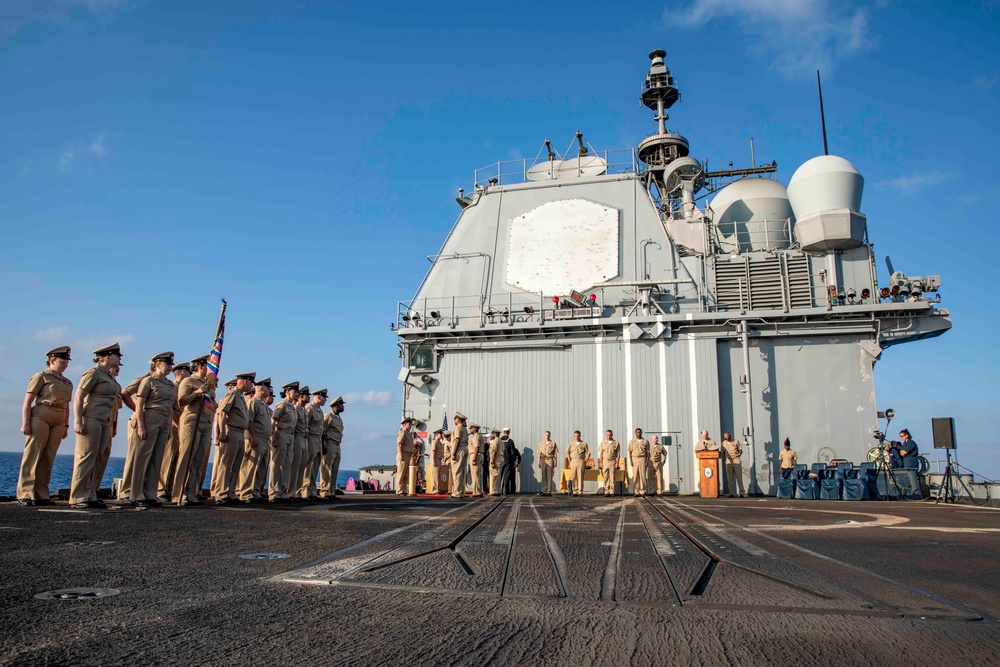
[[621, 289]]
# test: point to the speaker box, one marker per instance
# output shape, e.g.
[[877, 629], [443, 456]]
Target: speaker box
[[944, 432]]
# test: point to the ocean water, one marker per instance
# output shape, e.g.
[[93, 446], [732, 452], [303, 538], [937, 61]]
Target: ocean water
[[62, 472]]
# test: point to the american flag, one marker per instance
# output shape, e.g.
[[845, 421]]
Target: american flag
[[215, 357]]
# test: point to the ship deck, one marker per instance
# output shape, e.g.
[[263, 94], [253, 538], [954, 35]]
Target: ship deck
[[377, 579]]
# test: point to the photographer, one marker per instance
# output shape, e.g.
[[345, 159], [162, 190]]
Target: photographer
[[904, 454]]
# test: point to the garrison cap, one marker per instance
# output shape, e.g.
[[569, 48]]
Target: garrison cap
[[59, 353], [320, 392], [406, 420], [338, 399], [266, 382], [230, 383], [200, 360], [291, 385], [250, 375], [182, 367], [108, 349], [460, 415], [163, 356], [304, 390]]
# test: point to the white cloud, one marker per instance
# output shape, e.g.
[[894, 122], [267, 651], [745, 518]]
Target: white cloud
[[800, 36], [913, 181], [53, 334], [374, 398], [97, 145]]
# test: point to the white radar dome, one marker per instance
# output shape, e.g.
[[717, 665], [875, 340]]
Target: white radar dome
[[824, 183], [752, 214]]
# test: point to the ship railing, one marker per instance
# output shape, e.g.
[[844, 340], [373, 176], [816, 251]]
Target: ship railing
[[513, 172], [754, 236], [506, 308]]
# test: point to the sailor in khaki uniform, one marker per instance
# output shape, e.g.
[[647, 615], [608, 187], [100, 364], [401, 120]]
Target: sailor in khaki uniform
[[105, 456], [475, 461], [404, 455], [638, 454], [154, 401], [300, 449], [548, 455], [496, 463], [233, 420], [315, 425], [787, 458], [734, 468], [168, 466], [578, 452], [657, 457], [196, 397], [283, 421], [44, 424], [435, 453], [608, 452], [459, 456], [216, 484], [93, 410], [131, 439], [264, 472], [333, 435], [257, 441]]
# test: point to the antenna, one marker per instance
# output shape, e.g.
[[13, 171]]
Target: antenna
[[822, 116]]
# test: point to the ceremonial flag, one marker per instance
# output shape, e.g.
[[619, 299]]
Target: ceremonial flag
[[215, 357], [444, 424]]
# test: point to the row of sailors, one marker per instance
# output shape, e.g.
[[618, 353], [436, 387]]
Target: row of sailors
[[467, 454], [261, 453]]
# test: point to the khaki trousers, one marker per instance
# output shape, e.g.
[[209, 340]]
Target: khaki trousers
[[254, 459], [496, 480], [300, 445], [459, 466], [402, 472], [655, 476], [47, 428], [433, 476], [86, 462], [281, 461], [148, 455], [228, 460], [132, 438], [102, 465], [608, 472], [476, 472], [639, 475], [576, 467], [330, 469], [264, 470], [195, 440], [168, 467], [314, 461], [734, 477], [547, 468]]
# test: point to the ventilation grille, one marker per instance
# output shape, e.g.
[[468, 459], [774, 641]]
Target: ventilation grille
[[775, 283]]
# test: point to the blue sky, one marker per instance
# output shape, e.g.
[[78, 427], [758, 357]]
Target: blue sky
[[301, 159]]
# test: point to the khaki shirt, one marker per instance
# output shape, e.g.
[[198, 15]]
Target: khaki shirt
[[285, 415], [404, 443], [50, 389], [437, 451], [578, 451], [496, 452], [157, 395], [548, 452], [656, 453], [706, 446], [132, 387], [609, 451], [333, 428], [733, 450], [102, 391], [459, 439], [259, 426], [301, 420], [787, 459], [638, 448], [476, 449], [234, 404], [190, 412], [315, 420]]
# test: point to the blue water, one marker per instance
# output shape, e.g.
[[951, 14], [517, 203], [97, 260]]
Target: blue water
[[62, 472]]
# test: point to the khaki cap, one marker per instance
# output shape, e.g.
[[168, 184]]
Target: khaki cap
[[440, 430], [459, 415], [182, 367], [200, 360], [266, 382], [339, 399], [407, 420], [320, 392], [163, 356], [230, 383], [304, 390], [249, 375], [59, 353], [291, 385], [108, 349], [474, 426]]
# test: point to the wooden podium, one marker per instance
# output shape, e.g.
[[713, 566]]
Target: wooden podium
[[708, 473]]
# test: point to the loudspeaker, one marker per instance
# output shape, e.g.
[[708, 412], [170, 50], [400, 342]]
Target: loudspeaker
[[944, 432]]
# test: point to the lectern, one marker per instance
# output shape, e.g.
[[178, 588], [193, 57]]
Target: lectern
[[708, 473]]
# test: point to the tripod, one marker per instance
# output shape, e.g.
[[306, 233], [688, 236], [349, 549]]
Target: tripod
[[883, 469], [947, 489]]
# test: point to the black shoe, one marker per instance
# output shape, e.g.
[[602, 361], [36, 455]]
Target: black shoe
[[26, 502], [98, 503], [162, 499], [42, 502], [223, 501], [148, 502]]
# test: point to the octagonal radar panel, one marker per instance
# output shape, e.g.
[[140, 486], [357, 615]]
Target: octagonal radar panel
[[562, 246]]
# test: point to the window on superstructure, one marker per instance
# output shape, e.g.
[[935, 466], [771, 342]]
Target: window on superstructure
[[422, 358]]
